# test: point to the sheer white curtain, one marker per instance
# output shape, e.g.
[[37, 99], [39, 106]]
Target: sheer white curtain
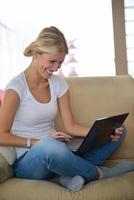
[[10, 45], [87, 26]]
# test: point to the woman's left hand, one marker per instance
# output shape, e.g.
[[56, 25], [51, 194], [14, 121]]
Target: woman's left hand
[[117, 135]]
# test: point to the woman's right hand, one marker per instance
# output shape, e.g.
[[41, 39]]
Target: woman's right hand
[[60, 136]]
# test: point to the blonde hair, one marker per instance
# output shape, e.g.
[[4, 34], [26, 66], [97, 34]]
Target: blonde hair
[[50, 40]]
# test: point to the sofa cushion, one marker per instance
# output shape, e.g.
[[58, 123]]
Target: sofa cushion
[[8, 153], [6, 170], [114, 188]]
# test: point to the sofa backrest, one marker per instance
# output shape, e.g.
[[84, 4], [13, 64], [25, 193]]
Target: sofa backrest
[[94, 97]]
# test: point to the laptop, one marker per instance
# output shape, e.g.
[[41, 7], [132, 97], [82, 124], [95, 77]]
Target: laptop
[[98, 135]]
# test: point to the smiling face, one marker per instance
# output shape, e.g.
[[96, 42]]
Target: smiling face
[[47, 63]]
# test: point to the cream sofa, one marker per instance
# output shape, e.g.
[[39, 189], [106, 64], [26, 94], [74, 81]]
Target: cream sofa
[[91, 97]]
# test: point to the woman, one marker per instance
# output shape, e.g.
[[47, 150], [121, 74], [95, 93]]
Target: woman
[[27, 118]]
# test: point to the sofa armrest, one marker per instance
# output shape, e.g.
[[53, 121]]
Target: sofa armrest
[[6, 170]]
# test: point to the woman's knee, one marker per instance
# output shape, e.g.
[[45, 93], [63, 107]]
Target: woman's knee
[[50, 147], [124, 131], [123, 135]]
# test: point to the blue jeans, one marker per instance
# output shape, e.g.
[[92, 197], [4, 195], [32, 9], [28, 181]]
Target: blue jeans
[[50, 156]]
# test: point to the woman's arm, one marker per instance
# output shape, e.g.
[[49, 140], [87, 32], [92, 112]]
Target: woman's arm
[[71, 126], [7, 113]]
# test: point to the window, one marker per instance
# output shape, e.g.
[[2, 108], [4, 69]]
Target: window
[[129, 24], [87, 26]]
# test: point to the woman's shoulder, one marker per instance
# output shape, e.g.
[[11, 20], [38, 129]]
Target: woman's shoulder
[[59, 84], [17, 83], [17, 80], [57, 79]]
